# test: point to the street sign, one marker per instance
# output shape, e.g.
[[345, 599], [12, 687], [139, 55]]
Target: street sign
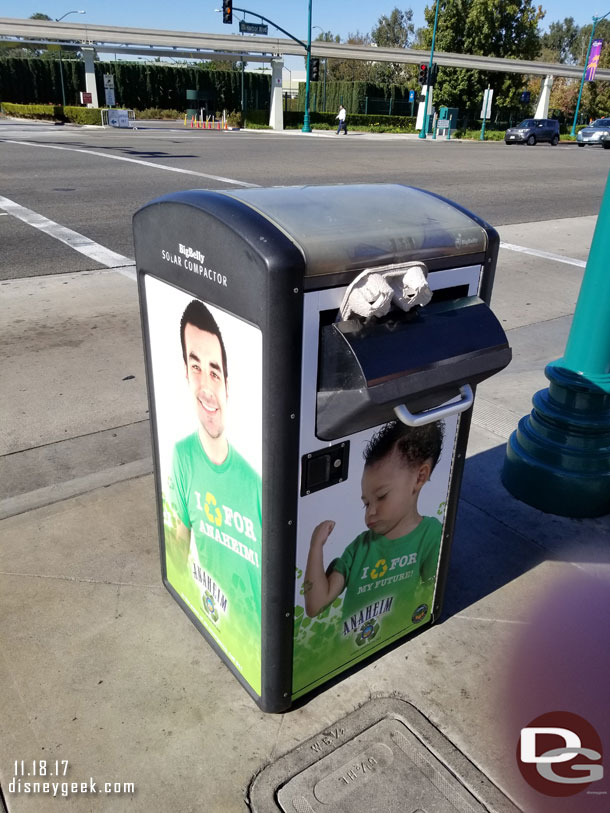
[[525, 96], [411, 95], [108, 80], [110, 98], [252, 28], [486, 108]]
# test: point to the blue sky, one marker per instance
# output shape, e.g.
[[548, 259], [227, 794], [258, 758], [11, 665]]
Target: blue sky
[[339, 16]]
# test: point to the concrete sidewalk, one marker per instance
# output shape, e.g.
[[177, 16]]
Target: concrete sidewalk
[[100, 667]]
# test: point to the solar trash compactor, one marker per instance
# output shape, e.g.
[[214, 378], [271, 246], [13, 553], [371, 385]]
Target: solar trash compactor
[[311, 354]]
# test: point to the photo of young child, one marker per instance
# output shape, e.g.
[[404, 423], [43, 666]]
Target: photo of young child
[[390, 569]]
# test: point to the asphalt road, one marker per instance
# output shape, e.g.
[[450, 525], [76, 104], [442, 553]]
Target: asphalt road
[[92, 180]]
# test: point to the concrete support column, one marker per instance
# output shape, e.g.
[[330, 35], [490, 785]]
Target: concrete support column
[[542, 110], [276, 115], [90, 86]]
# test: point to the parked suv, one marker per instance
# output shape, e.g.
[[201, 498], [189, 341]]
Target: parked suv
[[531, 131]]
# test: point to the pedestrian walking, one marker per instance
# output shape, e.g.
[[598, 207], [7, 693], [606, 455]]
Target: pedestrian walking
[[342, 123]]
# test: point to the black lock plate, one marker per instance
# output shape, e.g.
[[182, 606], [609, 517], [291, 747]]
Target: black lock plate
[[324, 468]]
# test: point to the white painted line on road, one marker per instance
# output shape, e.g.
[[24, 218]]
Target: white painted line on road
[[545, 255], [135, 161], [71, 238]]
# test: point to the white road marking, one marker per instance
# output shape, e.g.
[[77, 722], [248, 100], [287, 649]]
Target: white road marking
[[71, 238], [111, 259], [134, 161], [546, 255]]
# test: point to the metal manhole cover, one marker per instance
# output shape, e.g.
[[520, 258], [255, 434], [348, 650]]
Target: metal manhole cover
[[383, 757]]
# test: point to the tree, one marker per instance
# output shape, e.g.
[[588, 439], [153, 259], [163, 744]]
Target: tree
[[561, 42], [500, 28], [328, 36], [351, 70], [28, 51], [395, 31]]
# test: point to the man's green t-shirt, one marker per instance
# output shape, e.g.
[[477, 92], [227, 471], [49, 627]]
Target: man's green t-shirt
[[221, 504], [389, 577]]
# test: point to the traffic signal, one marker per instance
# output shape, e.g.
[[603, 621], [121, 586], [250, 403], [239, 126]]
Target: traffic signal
[[433, 74], [314, 69], [227, 11], [423, 75]]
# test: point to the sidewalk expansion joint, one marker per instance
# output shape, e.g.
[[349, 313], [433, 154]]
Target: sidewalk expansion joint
[[41, 497], [77, 579], [76, 437]]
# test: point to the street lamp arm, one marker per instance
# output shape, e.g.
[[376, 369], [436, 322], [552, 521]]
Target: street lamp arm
[[59, 19]]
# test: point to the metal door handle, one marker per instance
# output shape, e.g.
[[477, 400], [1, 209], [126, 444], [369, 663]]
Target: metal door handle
[[436, 413]]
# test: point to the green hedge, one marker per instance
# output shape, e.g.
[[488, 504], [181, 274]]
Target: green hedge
[[352, 95], [258, 118], [137, 85], [83, 115], [403, 123], [33, 111], [54, 112]]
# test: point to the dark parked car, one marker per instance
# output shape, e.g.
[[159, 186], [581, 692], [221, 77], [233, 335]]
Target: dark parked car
[[531, 131], [596, 133]]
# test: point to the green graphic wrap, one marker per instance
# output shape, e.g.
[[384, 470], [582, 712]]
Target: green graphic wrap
[[389, 592], [218, 573]]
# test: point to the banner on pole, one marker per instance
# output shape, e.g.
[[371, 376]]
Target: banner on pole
[[594, 53]]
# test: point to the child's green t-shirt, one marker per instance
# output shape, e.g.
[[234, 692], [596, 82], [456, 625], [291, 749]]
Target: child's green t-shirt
[[382, 576]]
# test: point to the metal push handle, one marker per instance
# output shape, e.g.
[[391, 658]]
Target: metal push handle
[[437, 413]]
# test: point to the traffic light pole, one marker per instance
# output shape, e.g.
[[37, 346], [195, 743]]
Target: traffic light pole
[[306, 125], [424, 129]]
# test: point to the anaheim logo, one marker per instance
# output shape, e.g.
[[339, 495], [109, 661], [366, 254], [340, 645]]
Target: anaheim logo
[[364, 623], [212, 597]]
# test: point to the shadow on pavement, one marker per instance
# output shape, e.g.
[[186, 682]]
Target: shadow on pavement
[[498, 538]]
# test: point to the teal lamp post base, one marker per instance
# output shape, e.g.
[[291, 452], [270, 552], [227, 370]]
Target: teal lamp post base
[[558, 459]]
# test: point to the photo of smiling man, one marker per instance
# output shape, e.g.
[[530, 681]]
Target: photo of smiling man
[[212, 504]]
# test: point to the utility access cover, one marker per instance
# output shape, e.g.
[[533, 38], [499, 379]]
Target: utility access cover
[[384, 757]]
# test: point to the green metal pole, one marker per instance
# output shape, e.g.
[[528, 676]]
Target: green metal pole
[[584, 71], [422, 133], [324, 102], [61, 77], [587, 350], [558, 459], [243, 101], [485, 106], [306, 124]]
